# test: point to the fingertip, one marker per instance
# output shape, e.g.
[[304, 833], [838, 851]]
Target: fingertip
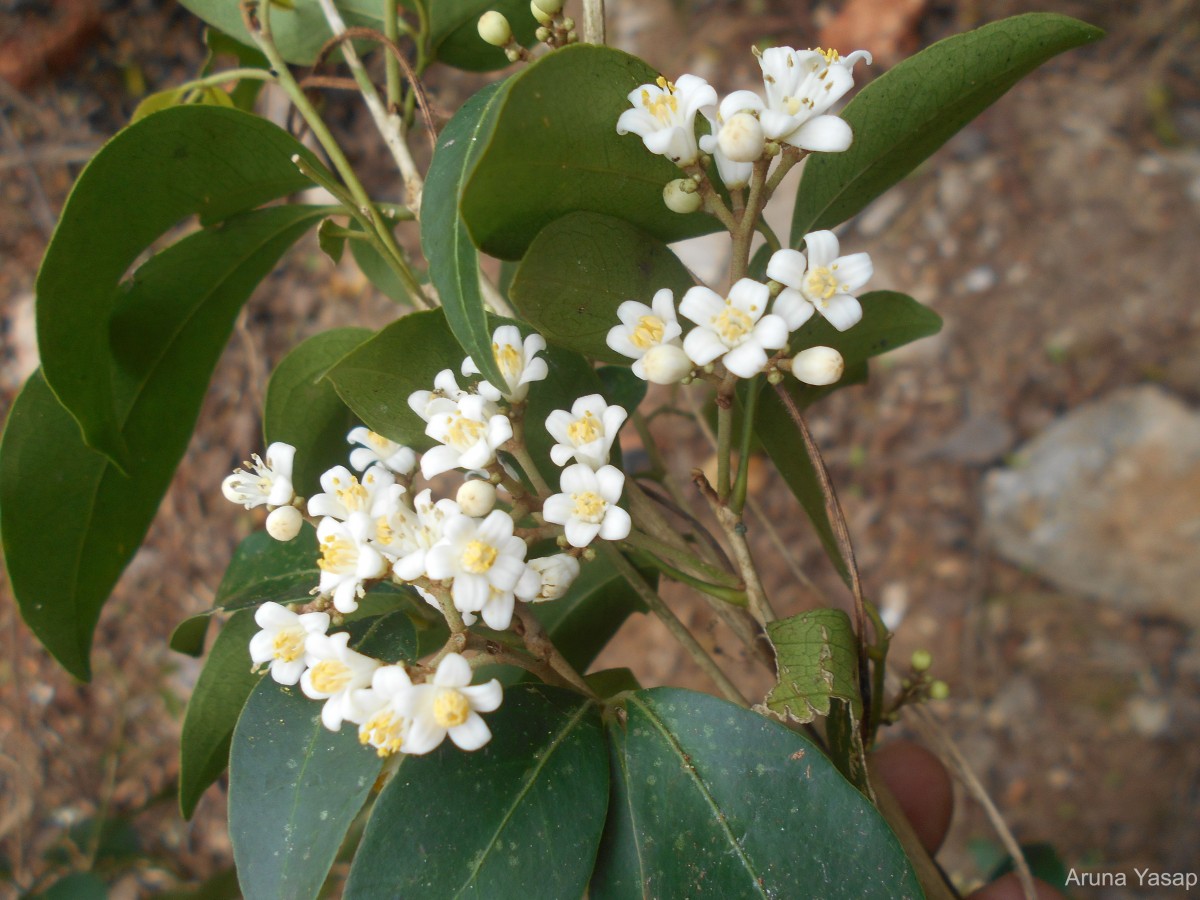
[[922, 787]]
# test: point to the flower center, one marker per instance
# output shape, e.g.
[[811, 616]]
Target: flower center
[[509, 359], [384, 731], [464, 433], [584, 430], [665, 105], [337, 554], [733, 325], [450, 708], [288, 645], [793, 105], [384, 533], [478, 557], [353, 497], [820, 284], [589, 506], [329, 676], [648, 333]]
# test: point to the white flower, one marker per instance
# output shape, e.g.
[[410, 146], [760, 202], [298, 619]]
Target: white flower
[[644, 327], [281, 641], [336, 674], [586, 433], [284, 523], [732, 328], [448, 704], [801, 85], [664, 116], [666, 364], [818, 366], [384, 709], [518, 361], [270, 482], [480, 557], [347, 560], [557, 573], [445, 395], [476, 498], [745, 139], [378, 449], [344, 494], [417, 531], [825, 282], [587, 506], [470, 435]]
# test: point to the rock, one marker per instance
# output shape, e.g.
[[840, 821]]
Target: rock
[[1106, 503]]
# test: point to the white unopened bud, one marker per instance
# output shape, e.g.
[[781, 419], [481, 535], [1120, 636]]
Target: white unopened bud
[[543, 17], [558, 572], [818, 366], [494, 29], [681, 196], [666, 364], [284, 523], [476, 498], [549, 7], [741, 138]]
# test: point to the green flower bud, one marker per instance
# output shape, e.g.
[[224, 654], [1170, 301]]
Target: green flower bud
[[922, 660], [542, 34], [549, 7], [494, 29], [543, 17], [681, 196], [939, 690]]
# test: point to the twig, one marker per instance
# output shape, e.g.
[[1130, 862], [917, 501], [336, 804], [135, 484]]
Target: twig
[[538, 643], [735, 533], [593, 21]]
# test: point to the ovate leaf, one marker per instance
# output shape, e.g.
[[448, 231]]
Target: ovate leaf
[[900, 118], [554, 150], [294, 789], [205, 160], [522, 815], [712, 800], [66, 503], [580, 268]]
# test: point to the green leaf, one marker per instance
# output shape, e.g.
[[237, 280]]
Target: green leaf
[[622, 387], [213, 709], [379, 272], [907, 113], [303, 409], [294, 789], [453, 260], [170, 326], [376, 379], [816, 658], [554, 150], [580, 268], [390, 638], [246, 92], [523, 814], [211, 95], [712, 800], [890, 320], [570, 377], [76, 886], [182, 161], [454, 27]]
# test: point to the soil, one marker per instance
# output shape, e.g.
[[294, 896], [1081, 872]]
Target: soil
[[1055, 235]]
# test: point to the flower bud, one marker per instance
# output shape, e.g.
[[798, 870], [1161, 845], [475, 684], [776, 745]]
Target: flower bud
[[922, 660], [549, 7], [542, 34], [476, 498], [741, 138], [284, 523], [494, 29], [818, 365], [666, 364], [557, 573], [681, 196], [939, 690], [543, 17]]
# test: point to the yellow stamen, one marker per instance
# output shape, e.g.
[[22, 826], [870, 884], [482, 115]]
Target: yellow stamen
[[820, 284], [384, 731], [289, 645], [329, 676], [478, 557], [648, 333], [733, 325], [353, 497], [384, 533], [450, 708], [378, 441], [509, 359], [337, 554], [589, 506], [584, 430], [464, 433]]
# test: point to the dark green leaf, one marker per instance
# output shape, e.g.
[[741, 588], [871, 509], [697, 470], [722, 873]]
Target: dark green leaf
[[453, 260], [379, 273], [609, 682], [571, 377], [170, 326], [265, 569], [216, 702], [901, 117], [1044, 862], [622, 387], [554, 150], [524, 814], [580, 268], [294, 789], [711, 800], [890, 320], [454, 26], [390, 638], [304, 410], [187, 160], [76, 886]]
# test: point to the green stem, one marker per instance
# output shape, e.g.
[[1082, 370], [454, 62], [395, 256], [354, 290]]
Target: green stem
[[643, 541], [671, 621], [738, 501], [391, 16], [521, 454], [729, 595], [247, 74], [769, 235]]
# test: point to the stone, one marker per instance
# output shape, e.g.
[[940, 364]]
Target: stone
[[1105, 502]]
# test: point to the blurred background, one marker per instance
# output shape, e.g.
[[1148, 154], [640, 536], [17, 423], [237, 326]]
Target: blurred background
[[1023, 489]]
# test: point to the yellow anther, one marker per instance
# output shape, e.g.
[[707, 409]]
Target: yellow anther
[[821, 284], [589, 506], [464, 433], [648, 333], [289, 645], [337, 554], [509, 359], [384, 731], [478, 557], [450, 708], [329, 676], [584, 430], [353, 497], [733, 325], [378, 441]]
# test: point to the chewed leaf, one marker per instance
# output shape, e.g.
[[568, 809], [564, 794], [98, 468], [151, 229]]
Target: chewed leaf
[[817, 658]]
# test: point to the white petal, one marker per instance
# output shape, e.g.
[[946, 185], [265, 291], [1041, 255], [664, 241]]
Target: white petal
[[484, 697], [824, 134], [616, 525], [747, 360], [771, 332], [287, 672], [453, 671], [822, 248], [262, 647], [470, 592], [787, 267], [558, 509], [580, 534], [611, 481], [740, 101], [332, 713], [577, 478], [425, 735], [497, 612], [776, 125], [437, 460], [842, 311], [703, 346], [853, 271], [471, 734], [663, 306], [701, 305], [750, 297], [793, 308], [274, 615]]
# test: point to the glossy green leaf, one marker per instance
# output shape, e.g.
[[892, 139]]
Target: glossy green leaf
[[210, 96], [303, 409], [376, 379], [890, 320], [294, 789], [554, 150], [188, 160], [455, 32], [171, 324], [379, 272], [622, 387], [712, 800], [213, 709], [580, 268], [75, 886], [524, 814], [390, 638], [907, 113], [453, 260]]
